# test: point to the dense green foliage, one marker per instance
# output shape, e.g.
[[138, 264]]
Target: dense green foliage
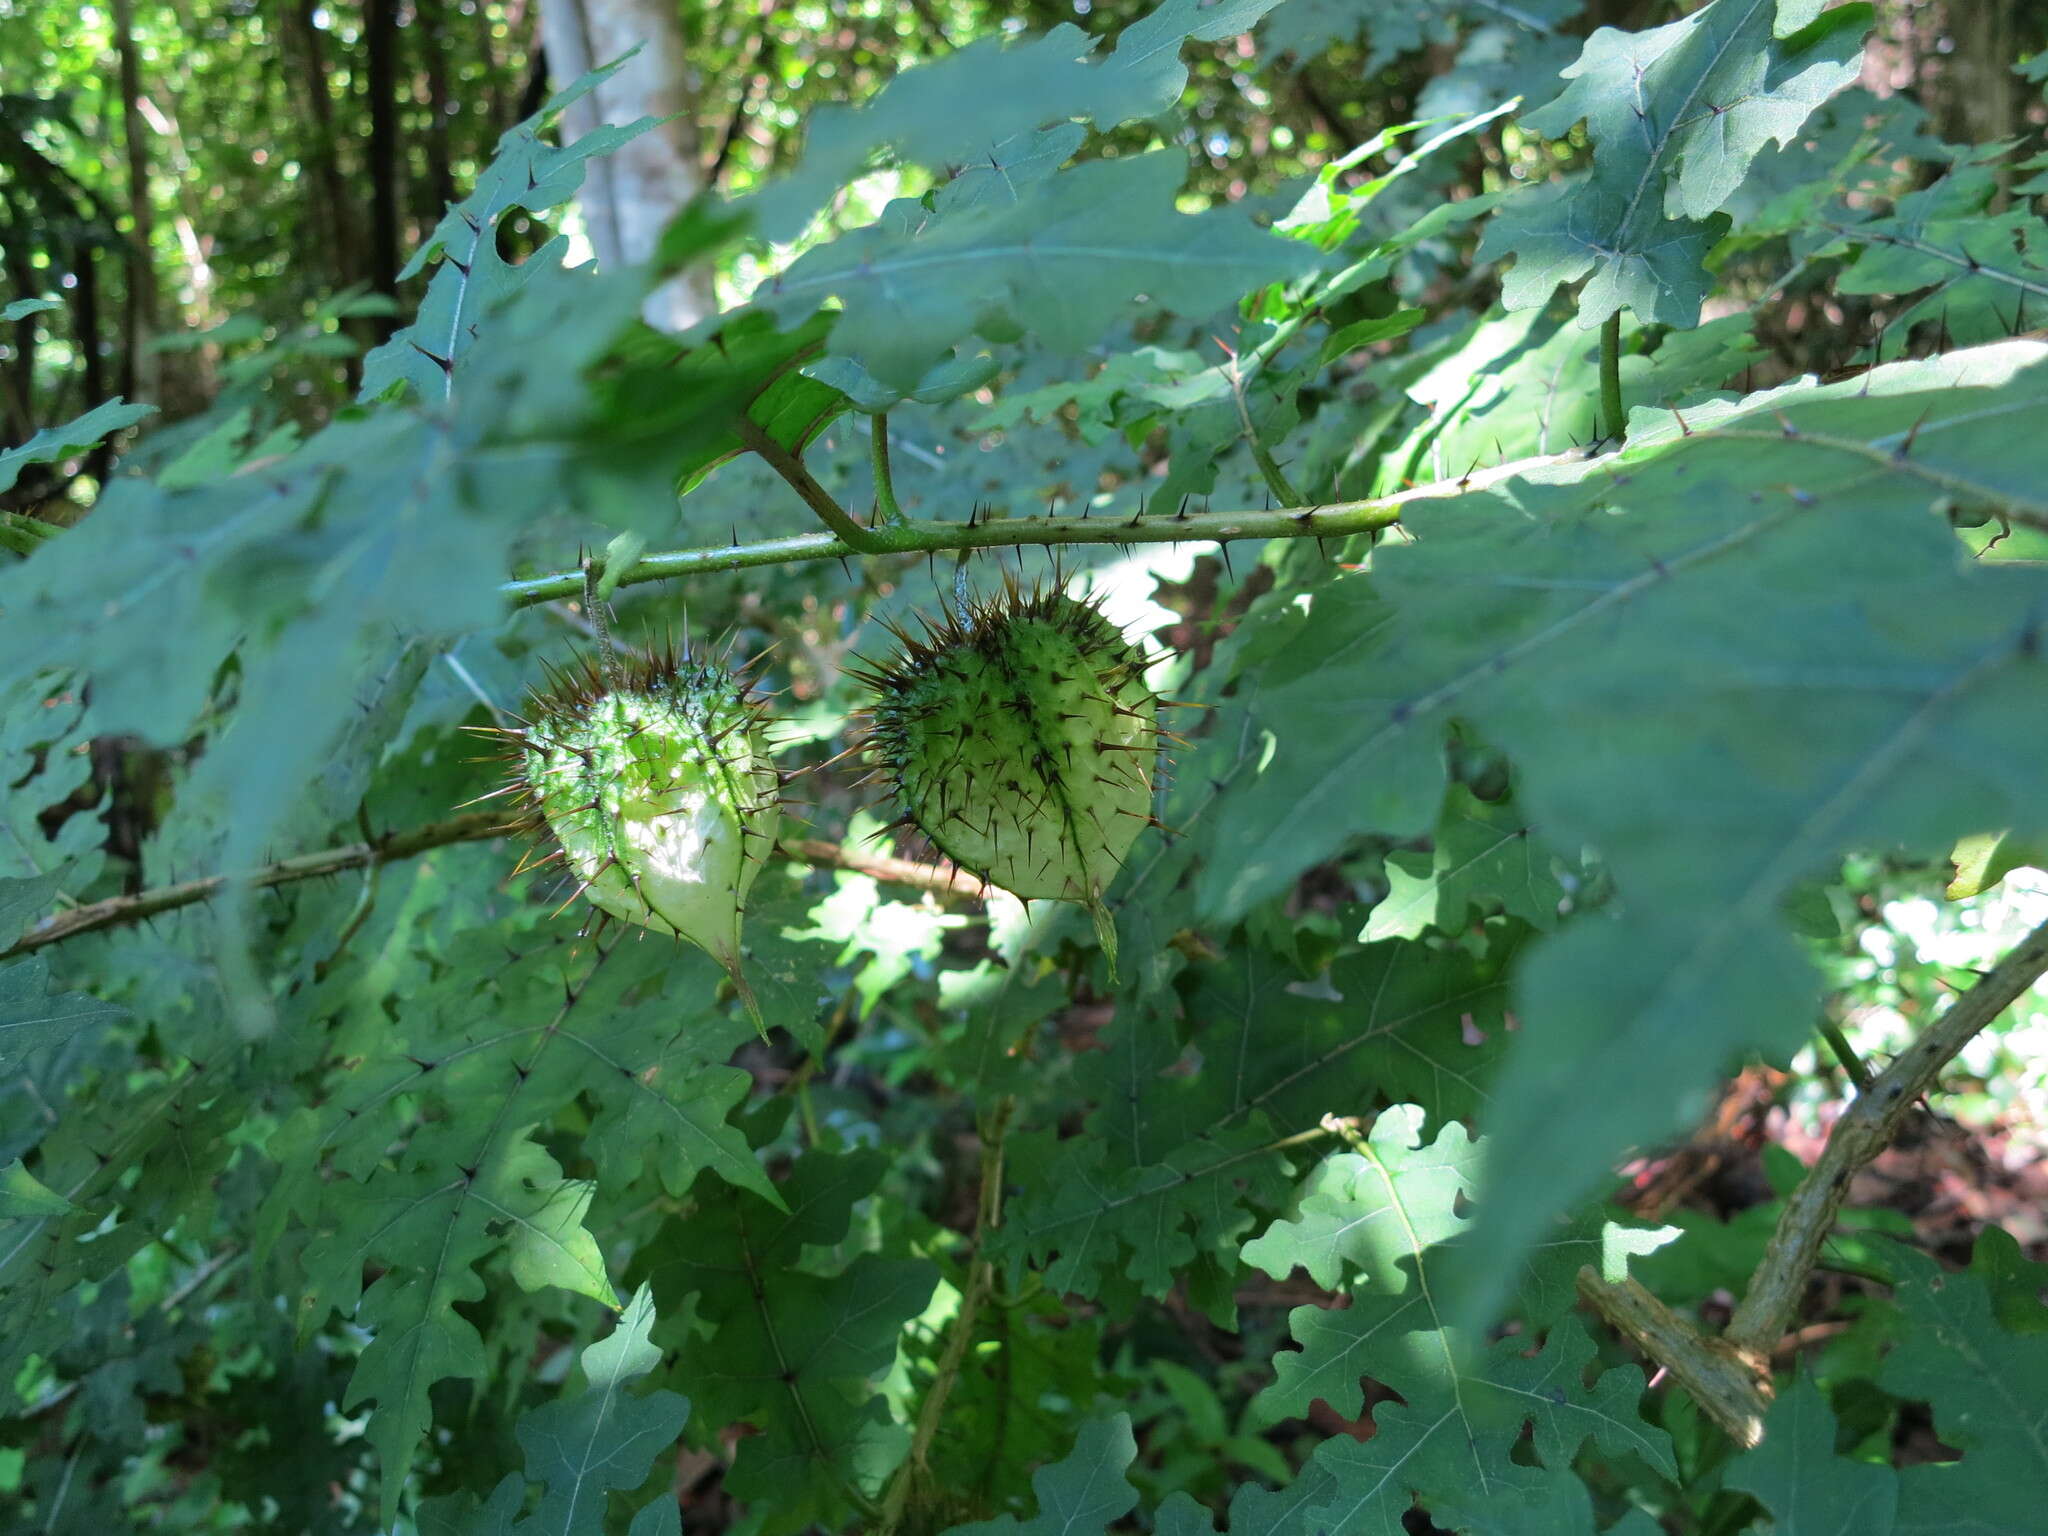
[[1527, 781]]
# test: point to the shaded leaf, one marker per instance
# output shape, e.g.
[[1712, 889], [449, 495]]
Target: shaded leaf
[[1175, 1162], [31, 1019], [998, 89], [1984, 1383], [1063, 261], [1485, 856], [1676, 113], [746, 357], [1808, 1488], [1394, 27], [458, 1100], [1767, 626], [1380, 1223], [605, 1439], [74, 437], [946, 380], [796, 1346], [21, 1194], [1081, 1495]]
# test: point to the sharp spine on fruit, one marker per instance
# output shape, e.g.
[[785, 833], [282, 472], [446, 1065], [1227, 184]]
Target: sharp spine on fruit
[[650, 773], [1015, 730]]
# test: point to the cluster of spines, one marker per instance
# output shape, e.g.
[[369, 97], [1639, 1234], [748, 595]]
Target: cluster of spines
[[986, 629], [718, 702], [697, 687]]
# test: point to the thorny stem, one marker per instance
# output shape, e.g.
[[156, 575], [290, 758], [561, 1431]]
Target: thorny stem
[[1960, 259], [887, 509], [1845, 1053], [1730, 1376], [859, 540], [594, 610], [1269, 467], [1240, 373], [1332, 520], [116, 911], [479, 826], [1613, 419], [988, 1215], [1730, 1388], [1865, 1129]]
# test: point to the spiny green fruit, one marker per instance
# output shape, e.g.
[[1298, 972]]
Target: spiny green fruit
[[1022, 740], [652, 777]]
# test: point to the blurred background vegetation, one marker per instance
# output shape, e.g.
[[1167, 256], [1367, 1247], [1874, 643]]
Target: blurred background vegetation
[[221, 196], [222, 193]]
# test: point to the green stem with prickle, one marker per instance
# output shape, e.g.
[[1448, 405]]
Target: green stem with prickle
[[476, 826], [786, 464], [1611, 413], [1865, 1129], [981, 1275], [1730, 1376], [1845, 1053], [594, 610], [887, 510], [1331, 520]]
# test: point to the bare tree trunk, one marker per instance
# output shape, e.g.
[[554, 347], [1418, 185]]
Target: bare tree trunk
[[521, 31], [438, 190], [326, 194], [1982, 101], [139, 376], [630, 195], [187, 380], [17, 410], [756, 68], [533, 94], [380, 49], [85, 309]]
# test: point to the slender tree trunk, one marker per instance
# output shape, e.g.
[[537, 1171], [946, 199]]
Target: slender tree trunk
[[1981, 96], [329, 201], [19, 417], [139, 317], [630, 195], [756, 66], [533, 95], [438, 190], [380, 83], [85, 310], [522, 35], [185, 381]]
